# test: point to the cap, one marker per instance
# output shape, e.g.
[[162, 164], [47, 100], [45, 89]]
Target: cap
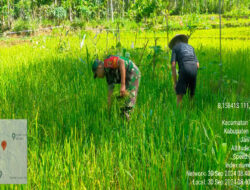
[[181, 37]]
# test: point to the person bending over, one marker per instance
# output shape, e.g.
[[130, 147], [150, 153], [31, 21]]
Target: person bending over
[[119, 70], [184, 54]]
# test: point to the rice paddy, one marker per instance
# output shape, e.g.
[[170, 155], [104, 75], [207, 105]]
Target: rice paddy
[[74, 143]]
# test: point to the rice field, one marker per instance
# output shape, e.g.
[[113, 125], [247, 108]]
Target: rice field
[[74, 143]]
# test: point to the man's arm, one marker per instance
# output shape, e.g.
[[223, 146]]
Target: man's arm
[[110, 92], [196, 60], [123, 76], [173, 63], [173, 66]]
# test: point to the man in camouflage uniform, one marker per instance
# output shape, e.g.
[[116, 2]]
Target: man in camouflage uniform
[[119, 70]]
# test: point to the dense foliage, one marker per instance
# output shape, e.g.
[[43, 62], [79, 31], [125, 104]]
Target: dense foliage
[[137, 10]]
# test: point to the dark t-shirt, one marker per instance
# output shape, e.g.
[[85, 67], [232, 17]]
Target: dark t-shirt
[[184, 54]]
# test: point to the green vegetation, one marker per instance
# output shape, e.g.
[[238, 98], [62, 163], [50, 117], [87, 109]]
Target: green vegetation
[[73, 143], [95, 12]]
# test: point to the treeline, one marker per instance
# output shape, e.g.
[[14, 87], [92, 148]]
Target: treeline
[[138, 10]]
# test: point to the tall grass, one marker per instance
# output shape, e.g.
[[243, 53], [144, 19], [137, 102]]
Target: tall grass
[[74, 144]]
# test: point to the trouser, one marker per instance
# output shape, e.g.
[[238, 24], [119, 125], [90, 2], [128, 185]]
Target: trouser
[[132, 87]]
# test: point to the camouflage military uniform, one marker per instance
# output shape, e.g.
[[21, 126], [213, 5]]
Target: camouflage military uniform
[[113, 76]]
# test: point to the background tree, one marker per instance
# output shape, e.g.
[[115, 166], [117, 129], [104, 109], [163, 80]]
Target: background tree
[[138, 10]]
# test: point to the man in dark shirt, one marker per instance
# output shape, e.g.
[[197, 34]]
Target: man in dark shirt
[[188, 64], [119, 70]]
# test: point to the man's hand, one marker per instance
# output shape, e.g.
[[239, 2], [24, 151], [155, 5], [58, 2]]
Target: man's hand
[[123, 90]]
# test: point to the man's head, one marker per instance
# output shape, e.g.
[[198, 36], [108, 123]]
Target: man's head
[[98, 69], [177, 39]]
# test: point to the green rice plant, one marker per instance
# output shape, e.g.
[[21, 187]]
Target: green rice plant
[[74, 144]]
